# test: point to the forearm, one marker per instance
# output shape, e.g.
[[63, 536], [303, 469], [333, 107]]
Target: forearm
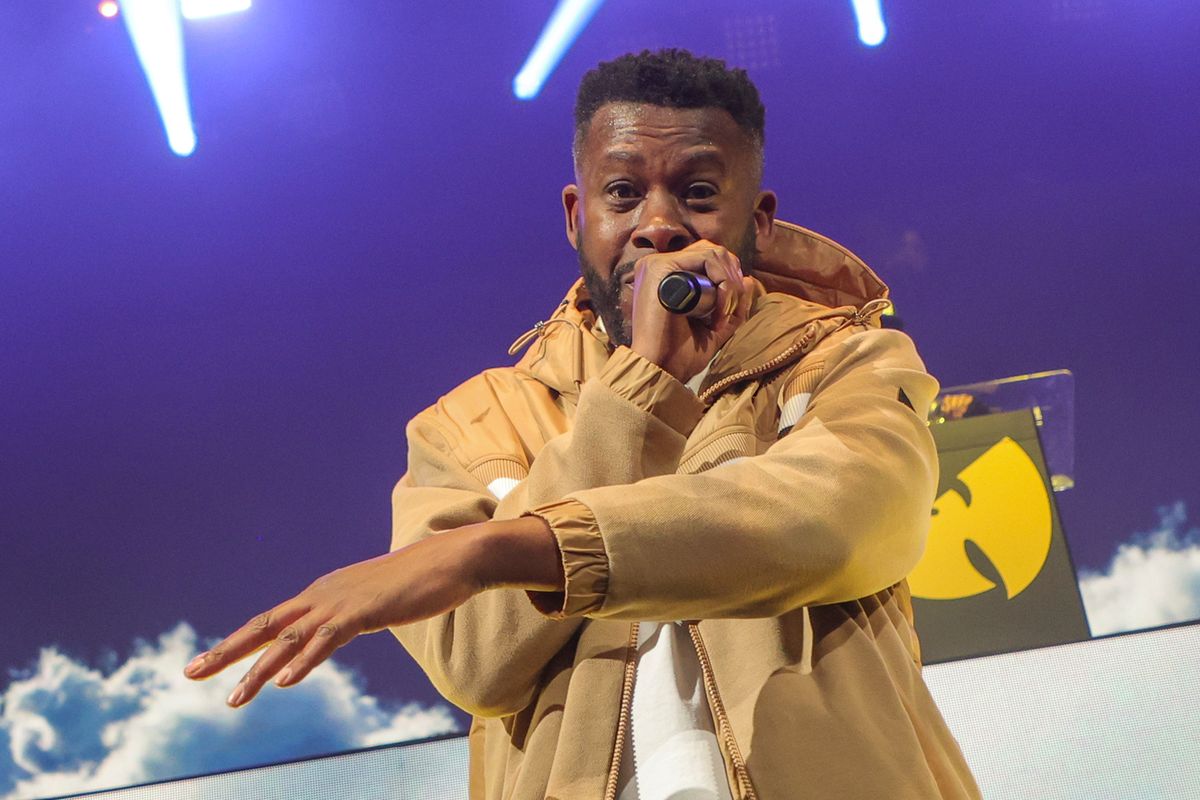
[[835, 510], [759, 540], [516, 554]]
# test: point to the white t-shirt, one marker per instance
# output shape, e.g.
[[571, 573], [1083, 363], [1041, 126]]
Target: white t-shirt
[[671, 752]]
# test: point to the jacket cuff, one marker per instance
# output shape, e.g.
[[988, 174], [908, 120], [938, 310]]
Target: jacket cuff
[[652, 389], [585, 561]]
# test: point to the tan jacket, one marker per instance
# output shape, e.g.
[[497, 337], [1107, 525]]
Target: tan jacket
[[782, 508]]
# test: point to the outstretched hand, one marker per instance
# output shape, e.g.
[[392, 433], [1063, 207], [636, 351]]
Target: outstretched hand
[[425, 579]]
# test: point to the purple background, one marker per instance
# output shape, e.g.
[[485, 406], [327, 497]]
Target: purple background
[[207, 363]]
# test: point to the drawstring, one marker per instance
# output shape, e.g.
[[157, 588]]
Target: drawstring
[[806, 646], [577, 362], [526, 337], [537, 330], [870, 309]]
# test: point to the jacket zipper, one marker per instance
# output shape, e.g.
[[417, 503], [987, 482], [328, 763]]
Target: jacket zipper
[[766, 366], [807, 340], [724, 729], [614, 769]]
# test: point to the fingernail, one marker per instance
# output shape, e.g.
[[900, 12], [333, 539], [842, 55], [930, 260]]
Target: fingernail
[[195, 664], [235, 697], [284, 678]]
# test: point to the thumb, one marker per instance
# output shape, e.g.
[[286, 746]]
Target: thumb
[[745, 299]]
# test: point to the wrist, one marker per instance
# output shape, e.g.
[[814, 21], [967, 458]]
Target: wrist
[[519, 553], [661, 359], [631, 376]]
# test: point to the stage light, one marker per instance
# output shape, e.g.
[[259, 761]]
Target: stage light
[[157, 34], [871, 28], [203, 9], [108, 9], [564, 26]]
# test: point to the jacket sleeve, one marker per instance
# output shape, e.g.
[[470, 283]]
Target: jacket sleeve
[[467, 463], [836, 509]]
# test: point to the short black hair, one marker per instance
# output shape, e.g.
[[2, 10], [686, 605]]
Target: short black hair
[[673, 78]]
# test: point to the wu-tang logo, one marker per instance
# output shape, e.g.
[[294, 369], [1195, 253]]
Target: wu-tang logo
[[1007, 518]]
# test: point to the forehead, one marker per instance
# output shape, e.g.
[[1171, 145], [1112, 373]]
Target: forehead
[[630, 131]]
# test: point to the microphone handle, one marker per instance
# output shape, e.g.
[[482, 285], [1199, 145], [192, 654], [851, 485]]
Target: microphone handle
[[683, 292]]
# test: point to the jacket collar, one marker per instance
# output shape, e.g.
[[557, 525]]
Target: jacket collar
[[803, 277], [805, 264]]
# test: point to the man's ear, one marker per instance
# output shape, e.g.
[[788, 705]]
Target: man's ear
[[572, 208], [764, 219]]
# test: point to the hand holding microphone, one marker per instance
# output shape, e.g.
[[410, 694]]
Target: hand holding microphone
[[686, 305]]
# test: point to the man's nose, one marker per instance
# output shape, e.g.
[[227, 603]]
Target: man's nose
[[661, 226]]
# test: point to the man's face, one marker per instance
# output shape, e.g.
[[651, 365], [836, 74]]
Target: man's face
[[654, 179]]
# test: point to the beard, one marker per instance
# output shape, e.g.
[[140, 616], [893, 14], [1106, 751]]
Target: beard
[[606, 294]]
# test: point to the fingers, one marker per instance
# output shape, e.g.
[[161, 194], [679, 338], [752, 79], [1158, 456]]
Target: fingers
[[724, 269], [728, 293], [283, 649], [245, 640], [706, 258], [328, 637], [745, 299], [682, 346], [296, 643], [297, 650]]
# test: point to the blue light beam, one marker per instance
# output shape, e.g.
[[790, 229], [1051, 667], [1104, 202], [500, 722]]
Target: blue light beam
[[563, 28], [871, 28], [157, 35]]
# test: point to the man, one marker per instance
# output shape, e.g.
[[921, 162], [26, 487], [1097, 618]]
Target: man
[[660, 556]]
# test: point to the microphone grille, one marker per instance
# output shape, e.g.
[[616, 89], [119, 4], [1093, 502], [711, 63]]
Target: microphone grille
[[679, 292]]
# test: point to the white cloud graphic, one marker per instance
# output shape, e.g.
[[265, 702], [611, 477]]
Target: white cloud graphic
[[65, 727], [1153, 579]]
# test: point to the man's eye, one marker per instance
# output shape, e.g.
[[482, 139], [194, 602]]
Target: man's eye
[[622, 190], [700, 191]]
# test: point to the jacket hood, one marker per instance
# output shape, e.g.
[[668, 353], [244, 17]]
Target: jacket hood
[[805, 264], [804, 276]]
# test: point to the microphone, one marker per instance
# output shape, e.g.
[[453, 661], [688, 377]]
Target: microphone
[[687, 293]]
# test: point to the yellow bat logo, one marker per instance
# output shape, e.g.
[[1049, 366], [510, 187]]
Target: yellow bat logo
[[1008, 518]]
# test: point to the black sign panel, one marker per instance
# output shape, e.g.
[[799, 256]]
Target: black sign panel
[[996, 575]]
